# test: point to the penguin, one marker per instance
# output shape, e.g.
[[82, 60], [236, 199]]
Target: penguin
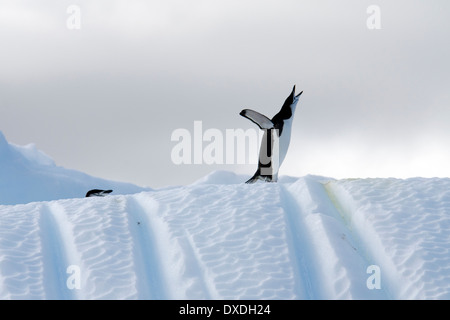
[[276, 138], [97, 193]]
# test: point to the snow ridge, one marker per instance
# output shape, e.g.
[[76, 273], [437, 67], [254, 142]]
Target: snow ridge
[[309, 238]]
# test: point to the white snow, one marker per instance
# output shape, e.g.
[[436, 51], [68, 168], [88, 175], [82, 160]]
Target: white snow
[[27, 174], [301, 238]]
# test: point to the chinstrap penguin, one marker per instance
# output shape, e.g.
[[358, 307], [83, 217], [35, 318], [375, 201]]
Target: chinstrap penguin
[[97, 193], [276, 138]]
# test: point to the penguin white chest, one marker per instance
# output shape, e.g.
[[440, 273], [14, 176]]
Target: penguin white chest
[[285, 139]]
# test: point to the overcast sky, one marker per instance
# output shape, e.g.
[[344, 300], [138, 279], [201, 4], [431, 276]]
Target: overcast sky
[[105, 99]]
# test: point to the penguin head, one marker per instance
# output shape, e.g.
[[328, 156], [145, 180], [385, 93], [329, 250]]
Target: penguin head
[[288, 108]]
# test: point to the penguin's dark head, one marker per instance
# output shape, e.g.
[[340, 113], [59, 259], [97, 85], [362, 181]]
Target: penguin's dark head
[[288, 108]]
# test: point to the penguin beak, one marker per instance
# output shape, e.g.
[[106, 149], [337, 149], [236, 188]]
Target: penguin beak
[[292, 95]]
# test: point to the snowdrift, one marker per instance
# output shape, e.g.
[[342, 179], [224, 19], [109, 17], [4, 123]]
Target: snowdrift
[[27, 174]]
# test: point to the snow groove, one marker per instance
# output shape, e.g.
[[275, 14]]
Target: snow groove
[[102, 246], [149, 277], [193, 258], [301, 252], [54, 256], [335, 255]]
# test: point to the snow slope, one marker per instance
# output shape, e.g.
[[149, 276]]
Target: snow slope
[[27, 174], [405, 227], [305, 238]]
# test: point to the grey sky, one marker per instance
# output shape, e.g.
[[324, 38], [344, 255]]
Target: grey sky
[[105, 99]]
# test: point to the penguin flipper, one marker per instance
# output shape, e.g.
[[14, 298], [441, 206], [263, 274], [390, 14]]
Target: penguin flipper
[[261, 120]]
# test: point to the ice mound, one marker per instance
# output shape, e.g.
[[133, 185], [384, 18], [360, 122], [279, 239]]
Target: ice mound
[[27, 174]]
